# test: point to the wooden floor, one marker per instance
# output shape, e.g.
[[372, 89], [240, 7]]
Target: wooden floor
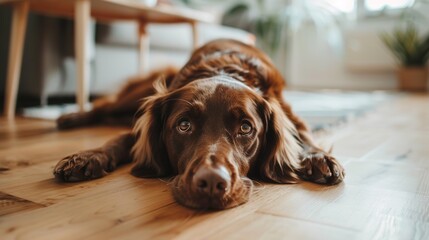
[[385, 194]]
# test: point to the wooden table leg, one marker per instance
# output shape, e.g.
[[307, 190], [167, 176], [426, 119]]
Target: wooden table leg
[[17, 36], [82, 24], [143, 48], [194, 35]]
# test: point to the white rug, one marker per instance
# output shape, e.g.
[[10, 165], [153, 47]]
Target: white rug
[[324, 109]]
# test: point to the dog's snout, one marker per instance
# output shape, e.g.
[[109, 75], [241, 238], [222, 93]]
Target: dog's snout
[[213, 181]]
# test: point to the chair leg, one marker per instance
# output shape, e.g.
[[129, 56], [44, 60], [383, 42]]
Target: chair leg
[[17, 36], [194, 35], [82, 24], [143, 48]]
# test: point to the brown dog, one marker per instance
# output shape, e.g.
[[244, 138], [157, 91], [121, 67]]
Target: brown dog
[[213, 124]]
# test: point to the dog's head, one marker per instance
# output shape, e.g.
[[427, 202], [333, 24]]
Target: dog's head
[[212, 134]]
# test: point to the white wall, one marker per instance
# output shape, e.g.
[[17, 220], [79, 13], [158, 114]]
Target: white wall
[[361, 63]]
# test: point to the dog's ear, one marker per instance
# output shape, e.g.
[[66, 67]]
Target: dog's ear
[[149, 151], [278, 161]]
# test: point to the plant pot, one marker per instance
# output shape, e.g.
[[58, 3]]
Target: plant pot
[[413, 79]]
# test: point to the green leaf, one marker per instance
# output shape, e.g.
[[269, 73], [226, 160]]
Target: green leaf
[[407, 46], [237, 9]]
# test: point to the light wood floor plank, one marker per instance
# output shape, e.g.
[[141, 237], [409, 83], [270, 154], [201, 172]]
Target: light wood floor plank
[[11, 204], [349, 206], [263, 226]]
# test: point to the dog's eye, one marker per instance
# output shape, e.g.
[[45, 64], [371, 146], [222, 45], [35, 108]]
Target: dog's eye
[[184, 126], [245, 128]]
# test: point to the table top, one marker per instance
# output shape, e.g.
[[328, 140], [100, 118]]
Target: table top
[[109, 10]]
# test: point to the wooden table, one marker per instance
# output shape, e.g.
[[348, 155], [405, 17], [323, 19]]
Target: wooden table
[[82, 11]]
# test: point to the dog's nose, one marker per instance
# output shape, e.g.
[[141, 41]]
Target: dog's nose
[[212, 181]]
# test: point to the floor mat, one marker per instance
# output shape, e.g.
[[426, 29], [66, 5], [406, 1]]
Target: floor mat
[[325, 109]]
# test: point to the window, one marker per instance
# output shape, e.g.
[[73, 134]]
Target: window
[[371, 8], [379, 5], [345, 6]]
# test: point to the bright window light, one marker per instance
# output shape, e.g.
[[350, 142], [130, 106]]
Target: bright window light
[[377, 5], [346, 6]]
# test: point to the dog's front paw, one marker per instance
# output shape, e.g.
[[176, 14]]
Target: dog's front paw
[[320, 167], [81, 166]]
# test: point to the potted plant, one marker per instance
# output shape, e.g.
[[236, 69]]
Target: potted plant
[[412, 51]]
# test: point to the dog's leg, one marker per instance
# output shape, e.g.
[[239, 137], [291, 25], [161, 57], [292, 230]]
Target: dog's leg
[[95, 163], [317, 165], [120, 108], [114, 110]]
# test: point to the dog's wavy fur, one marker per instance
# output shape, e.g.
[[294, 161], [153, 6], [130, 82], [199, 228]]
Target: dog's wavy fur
[[148, 147]]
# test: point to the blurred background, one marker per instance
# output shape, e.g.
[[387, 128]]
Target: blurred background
[[337, 44]]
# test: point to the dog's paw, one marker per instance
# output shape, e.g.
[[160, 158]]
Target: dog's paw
[[81, 166], [320, 167]]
